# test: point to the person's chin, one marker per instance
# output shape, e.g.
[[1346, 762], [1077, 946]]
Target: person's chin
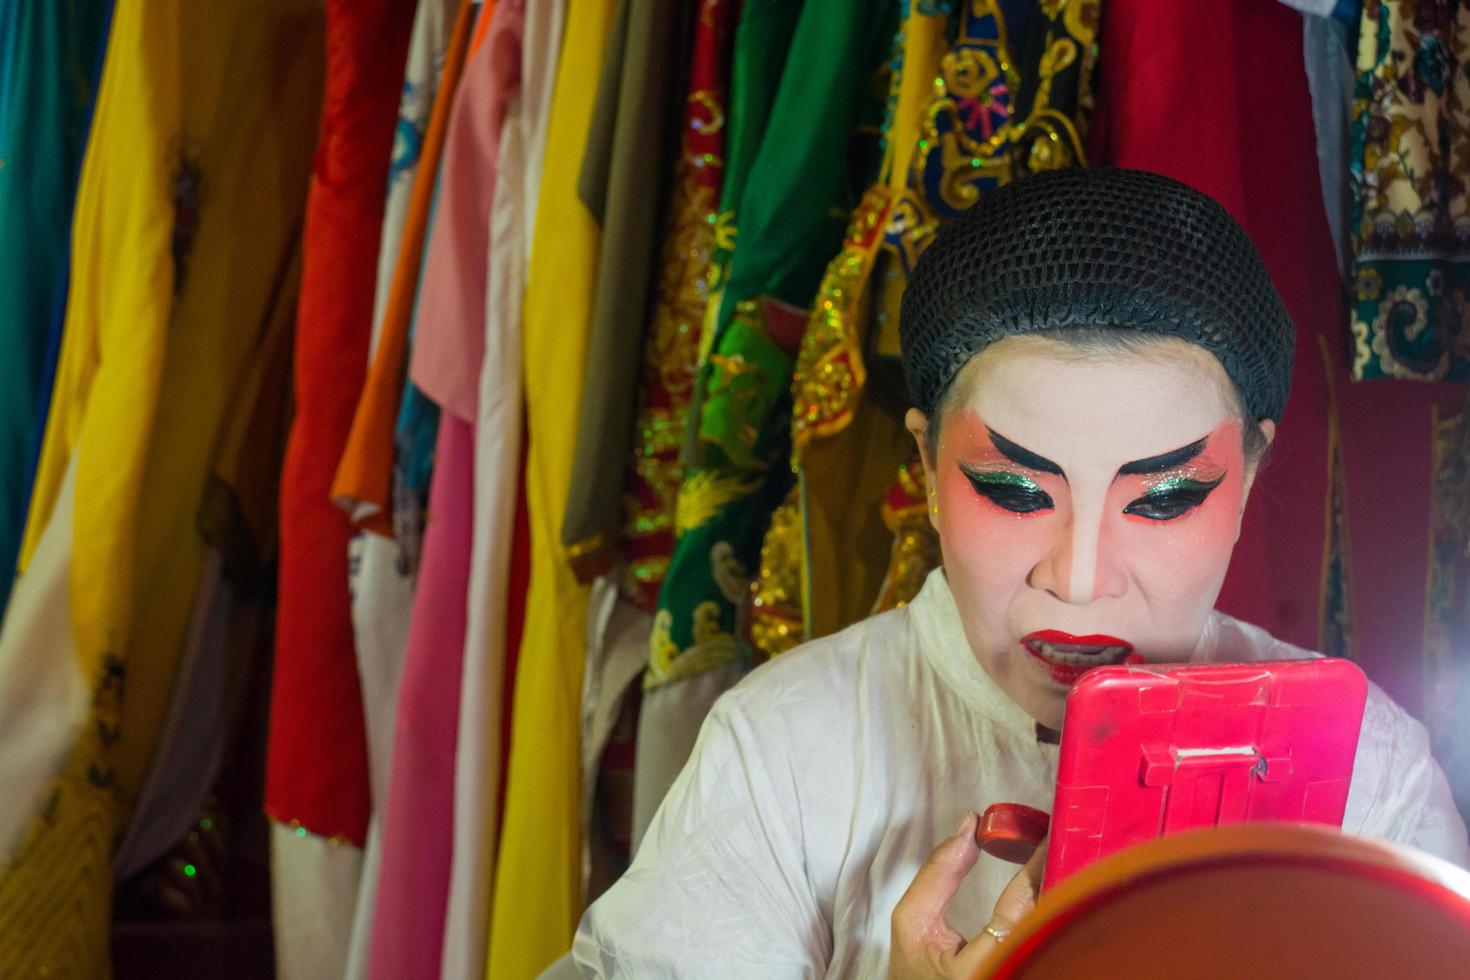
[[1046, 703]]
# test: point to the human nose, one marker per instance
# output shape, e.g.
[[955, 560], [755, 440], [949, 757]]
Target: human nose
[[1082, 563]]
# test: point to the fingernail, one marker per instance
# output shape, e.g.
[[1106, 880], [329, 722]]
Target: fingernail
[[959, 827]]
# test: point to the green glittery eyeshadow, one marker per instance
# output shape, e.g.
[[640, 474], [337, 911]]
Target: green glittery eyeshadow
[[1172, 497], [1008, 490], [1002, 478], [1183, 484]]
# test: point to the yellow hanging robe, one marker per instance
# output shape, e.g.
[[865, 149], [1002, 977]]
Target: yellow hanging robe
[[186, 219], [537, 895], [846, 447]]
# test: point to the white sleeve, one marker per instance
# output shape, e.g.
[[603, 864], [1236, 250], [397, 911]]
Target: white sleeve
[[719, 886], [1439, 829], [1399, 793]]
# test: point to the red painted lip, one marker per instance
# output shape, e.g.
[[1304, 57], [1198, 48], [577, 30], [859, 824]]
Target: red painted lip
[[1068, 674], [1058, 638]]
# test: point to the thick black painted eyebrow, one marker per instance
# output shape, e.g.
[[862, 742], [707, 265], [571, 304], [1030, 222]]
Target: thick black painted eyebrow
[[1022, 456], [1164, 461]]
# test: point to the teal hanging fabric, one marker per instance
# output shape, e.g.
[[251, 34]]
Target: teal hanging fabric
[[50, 59]]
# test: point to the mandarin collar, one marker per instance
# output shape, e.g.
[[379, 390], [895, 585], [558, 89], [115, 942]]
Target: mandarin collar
[[942, 640]]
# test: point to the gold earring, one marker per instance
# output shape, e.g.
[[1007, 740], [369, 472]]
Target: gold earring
[[933, 503]]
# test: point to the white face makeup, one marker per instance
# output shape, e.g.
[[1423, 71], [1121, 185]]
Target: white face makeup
[[1087, 507]]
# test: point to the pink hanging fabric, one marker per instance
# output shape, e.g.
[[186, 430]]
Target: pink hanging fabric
[[449, 344]]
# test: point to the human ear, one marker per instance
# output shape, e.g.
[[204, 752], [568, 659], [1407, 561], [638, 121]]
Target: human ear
[[918, 425], [1252, 466]]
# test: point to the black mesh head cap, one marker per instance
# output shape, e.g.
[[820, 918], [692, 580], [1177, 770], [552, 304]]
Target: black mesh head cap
[[1114, 249]]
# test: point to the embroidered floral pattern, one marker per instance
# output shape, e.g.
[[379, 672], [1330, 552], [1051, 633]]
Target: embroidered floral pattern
[[671, 351], [1411, 221]]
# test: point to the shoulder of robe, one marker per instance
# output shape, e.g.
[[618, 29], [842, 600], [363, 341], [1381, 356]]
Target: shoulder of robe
[[1392, 740], [1234, 641], [829, 672]]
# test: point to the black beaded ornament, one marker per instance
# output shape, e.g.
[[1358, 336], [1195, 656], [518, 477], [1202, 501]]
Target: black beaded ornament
[[1105, 248]]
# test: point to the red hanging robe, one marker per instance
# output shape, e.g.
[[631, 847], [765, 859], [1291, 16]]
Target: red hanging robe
[[1213, 93], [316, 769]]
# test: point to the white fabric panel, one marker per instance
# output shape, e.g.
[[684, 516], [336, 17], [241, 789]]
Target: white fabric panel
[[497, 461], [313, 895], [44, 697]]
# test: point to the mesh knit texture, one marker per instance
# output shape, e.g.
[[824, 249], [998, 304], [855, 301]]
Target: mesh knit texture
[[1105, 248]]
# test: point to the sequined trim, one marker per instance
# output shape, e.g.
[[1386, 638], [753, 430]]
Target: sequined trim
[[776, 621], [915, 544], [829, 372], [301, 830], [586, 547], [711, 648]]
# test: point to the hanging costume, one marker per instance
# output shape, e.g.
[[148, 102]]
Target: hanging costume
[[499, 565], [317, 767], [53, 54], [171, 293], [418, 839], [1410, 205], [639, 534], [624, 179], [382, 572], [795, 167], [669, 720], [537, 891]]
